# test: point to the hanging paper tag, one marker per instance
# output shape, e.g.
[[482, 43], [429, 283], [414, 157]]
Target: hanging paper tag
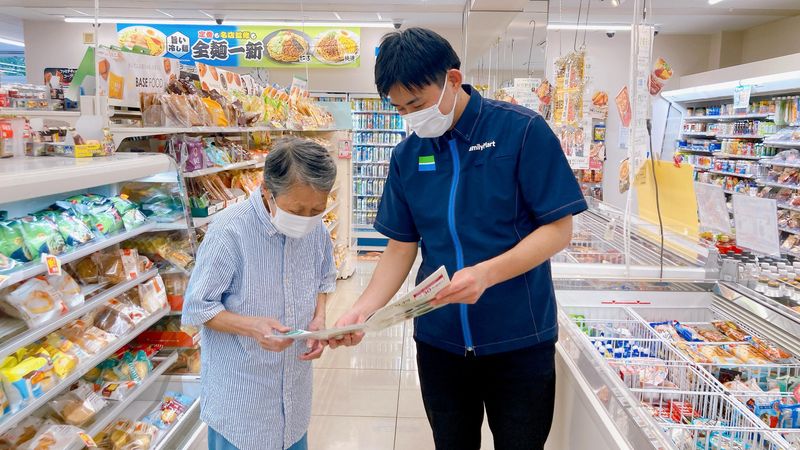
[[741, 97], [756, 221], [53, 264]]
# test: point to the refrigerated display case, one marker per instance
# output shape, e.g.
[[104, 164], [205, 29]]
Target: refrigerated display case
[[636, 360]]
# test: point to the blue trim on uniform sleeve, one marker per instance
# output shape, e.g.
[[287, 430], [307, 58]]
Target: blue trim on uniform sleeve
[[396, 235], [571, 209]]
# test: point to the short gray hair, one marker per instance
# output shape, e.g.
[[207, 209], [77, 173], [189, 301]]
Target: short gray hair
[[294, 160]]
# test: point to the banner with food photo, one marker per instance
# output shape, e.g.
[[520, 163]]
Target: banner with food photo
[[213, 78], [123, 76], [246, 46]]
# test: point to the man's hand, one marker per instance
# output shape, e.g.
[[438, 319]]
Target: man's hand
[[264, 329], [352, 317], [315, 346], [467, 286]]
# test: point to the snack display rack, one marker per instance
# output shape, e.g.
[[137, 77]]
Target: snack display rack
[[377, 128], [34, 183]]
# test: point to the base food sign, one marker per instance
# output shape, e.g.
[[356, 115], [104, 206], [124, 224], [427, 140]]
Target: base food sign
[[251, 46]]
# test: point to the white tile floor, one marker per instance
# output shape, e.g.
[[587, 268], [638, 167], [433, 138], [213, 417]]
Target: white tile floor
[[368, 397]]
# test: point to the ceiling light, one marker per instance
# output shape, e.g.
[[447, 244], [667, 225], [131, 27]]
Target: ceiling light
[[287, 23], [337, 15], [590, 27], [12, 42], [615, 3], [714, 2], [165, 13]]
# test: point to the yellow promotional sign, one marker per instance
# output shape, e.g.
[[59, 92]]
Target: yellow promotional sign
[[676, 196]]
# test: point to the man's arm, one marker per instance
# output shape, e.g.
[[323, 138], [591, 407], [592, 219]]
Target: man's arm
[[468, 284], [389, 275]]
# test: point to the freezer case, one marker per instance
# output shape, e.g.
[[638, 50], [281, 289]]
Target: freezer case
[[673, 366]]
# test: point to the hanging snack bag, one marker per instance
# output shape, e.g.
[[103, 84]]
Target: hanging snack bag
[[74, 231]]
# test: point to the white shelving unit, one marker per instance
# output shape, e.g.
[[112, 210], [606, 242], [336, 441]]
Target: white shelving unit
[[371, 156]]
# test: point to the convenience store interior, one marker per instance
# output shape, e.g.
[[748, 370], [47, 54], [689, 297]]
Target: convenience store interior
[[679, 295]]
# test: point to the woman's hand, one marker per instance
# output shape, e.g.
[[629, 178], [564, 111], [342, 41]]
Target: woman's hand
[[264, 329], [352, 317], [315, 347]]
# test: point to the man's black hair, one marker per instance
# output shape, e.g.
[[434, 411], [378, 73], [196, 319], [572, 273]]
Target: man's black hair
[[413, 58]]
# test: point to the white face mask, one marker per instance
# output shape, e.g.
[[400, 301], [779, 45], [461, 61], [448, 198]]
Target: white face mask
[[431, 122], [292, 225]]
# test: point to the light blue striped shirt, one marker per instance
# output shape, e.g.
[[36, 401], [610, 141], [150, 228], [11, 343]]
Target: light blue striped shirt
[[255, 398]]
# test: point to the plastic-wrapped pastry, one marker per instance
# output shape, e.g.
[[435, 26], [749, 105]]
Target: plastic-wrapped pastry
[[23, 432], [70, 292], [130, 262], [110, 266], [113, 321], [85, 270], [54, 437], [37, 302], [90, 338], [152, 295], [78, 407]]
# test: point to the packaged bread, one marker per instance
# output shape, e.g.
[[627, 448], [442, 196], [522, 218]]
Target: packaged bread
[[23, 432], [130, 262], [152, 295], [55, 437], [90, 338], [70, 292], [85, 270], [110, 267], [37, 302], [78, 407], [114, 321]]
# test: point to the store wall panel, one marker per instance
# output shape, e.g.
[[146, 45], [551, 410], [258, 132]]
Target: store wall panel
[[771, 40], [58, 44]]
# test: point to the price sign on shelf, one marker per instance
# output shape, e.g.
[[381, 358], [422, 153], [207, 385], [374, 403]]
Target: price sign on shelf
[[756, 221], [741, 97], [711, 208]]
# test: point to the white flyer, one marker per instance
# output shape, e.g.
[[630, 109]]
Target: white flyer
[[415, 303], [756, 221]]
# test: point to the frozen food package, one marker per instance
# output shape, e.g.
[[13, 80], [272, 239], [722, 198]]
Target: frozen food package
[[37, 302], [70, 292], [42, 236], [152, 295], [54, 437], [773, 353], [748, 354], [12, 244], [77, 407], [693, 353], [113, 321], [731, 330], [718, 355]]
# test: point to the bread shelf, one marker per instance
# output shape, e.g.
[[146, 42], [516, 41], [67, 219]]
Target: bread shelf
[[731, 174], [12, 420], [34, 268], [31, 177], [30, 336]]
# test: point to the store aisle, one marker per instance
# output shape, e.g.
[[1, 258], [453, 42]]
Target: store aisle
[[368, 397]]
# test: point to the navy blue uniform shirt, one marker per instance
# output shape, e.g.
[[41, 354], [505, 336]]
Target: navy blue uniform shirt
[[471, 195]]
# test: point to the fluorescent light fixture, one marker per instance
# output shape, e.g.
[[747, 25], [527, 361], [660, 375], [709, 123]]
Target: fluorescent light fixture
[[165, 13], [714, 2], [12, 42], [337, 15], [589, 27], [288, 23]]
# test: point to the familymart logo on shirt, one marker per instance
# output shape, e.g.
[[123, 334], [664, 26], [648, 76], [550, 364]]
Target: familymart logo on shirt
[[427, 164], [481, 147]]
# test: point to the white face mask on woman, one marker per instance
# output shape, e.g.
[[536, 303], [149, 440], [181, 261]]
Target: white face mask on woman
[[292, 225], [431, 122]]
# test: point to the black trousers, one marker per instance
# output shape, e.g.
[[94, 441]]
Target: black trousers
[[516, 388]]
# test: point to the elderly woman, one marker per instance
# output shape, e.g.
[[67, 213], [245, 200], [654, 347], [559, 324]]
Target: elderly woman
[[264, 268]]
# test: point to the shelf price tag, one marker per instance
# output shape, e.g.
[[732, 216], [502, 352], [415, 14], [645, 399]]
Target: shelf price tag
[[53, 264], [741, 97], [756, 221]]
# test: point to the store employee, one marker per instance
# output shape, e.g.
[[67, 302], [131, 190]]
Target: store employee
[[486, 189]]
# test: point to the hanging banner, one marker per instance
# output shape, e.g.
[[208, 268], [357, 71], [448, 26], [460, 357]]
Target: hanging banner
[[246, 46], [122, 76], [741, 97], [712, 208], [756, 221]]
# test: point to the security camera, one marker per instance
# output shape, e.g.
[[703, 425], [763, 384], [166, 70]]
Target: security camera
[[219, 19], [397, 25], [655, 33], [611, 34]]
